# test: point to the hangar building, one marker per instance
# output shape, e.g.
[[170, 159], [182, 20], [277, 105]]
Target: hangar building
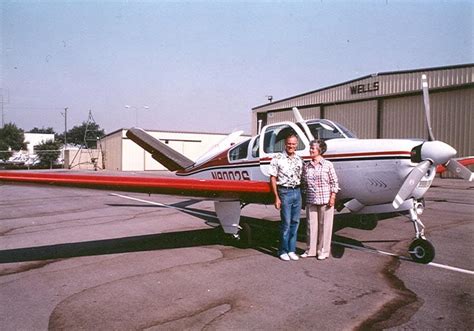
[[122, 154], [390, 105]]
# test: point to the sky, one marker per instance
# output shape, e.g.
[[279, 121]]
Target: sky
[[202, 66]]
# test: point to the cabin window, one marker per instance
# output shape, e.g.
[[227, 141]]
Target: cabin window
[[239, 152], [326, 130], [274, 139]]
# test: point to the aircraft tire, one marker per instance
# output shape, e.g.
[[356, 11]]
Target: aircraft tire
[[422, 251]]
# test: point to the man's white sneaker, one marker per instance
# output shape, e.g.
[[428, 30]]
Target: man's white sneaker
[[293, 256], [284, 257], [304, 255]]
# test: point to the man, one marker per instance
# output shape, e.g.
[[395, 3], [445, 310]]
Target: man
[[285, 177]]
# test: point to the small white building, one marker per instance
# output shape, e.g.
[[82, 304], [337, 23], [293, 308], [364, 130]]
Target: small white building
[[33, 139], [121, 153]]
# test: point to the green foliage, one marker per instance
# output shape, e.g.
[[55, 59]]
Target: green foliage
[[48, 152], [59, 137], [4, 153], [11, 137], [42, 130], [85, 135]]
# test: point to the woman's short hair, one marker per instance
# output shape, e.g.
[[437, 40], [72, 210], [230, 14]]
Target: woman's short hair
[[320, 144]]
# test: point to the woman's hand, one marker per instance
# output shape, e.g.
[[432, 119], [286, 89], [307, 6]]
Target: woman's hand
[[332, 200]]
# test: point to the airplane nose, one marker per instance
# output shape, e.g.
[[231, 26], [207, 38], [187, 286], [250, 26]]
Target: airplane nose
[[437, 151]]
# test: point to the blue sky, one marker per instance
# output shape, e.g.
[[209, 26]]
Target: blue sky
[[202, 65]]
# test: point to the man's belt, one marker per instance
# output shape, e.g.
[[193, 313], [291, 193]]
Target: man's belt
[[288, 187]]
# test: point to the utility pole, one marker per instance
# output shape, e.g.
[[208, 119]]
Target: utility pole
[[65, 127], [2, 102], [3, 114], [65, 137]]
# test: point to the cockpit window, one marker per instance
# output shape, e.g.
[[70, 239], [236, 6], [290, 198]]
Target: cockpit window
[[326, 130], [274, 139], [239, 152]]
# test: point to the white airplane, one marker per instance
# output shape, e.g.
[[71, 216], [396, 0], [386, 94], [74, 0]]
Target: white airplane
[[376, 176]]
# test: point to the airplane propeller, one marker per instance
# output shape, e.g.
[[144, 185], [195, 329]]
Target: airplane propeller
[[431, 152]]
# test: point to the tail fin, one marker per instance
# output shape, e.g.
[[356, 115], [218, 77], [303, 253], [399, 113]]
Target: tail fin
[[162, 153]]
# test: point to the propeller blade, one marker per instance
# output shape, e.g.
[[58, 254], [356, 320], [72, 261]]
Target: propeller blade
[[426, 100], [460, 170], [411, 182]]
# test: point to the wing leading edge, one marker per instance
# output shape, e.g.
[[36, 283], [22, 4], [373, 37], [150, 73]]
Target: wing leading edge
[[250, 191]]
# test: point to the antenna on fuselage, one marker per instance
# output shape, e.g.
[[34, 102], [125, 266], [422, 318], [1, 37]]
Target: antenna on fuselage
[[300, 120]]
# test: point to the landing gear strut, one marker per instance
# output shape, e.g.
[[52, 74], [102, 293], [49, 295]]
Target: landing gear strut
[[421, 250], [242, 239], [245, 236]]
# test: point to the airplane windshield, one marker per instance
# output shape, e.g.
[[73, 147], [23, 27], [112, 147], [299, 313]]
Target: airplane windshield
[[326, 130]]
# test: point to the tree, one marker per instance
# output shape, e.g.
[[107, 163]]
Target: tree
[[48, 152], [42, 130], [11, 137], [85, 135]]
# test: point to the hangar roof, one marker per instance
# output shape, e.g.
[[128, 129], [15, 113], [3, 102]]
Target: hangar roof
[[378, 85]]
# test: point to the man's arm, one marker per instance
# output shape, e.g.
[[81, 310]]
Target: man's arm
[[273, 184]]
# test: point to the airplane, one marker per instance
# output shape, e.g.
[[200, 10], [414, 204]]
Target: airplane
[[376, 176]]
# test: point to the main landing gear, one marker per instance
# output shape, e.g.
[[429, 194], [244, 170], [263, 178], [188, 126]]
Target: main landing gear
[[421, 250], [244, 236], [241, 239]]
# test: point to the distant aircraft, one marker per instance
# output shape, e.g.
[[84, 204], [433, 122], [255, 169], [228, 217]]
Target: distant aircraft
[[376, 176]]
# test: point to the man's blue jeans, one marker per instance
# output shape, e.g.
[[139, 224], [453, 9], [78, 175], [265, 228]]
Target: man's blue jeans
[[290, 218]]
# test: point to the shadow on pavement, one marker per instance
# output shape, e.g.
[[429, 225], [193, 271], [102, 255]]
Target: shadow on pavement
[[264, 238]]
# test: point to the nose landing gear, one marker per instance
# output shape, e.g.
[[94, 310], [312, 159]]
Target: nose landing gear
[[421, 250]]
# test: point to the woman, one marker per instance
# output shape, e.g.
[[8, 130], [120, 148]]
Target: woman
[[320, 185]]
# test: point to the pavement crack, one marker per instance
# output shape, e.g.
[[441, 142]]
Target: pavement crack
[[26, 267], [397, 311], [200, 319], [67, 223]]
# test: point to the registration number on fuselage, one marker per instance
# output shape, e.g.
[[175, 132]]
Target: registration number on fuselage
[[231, 175]]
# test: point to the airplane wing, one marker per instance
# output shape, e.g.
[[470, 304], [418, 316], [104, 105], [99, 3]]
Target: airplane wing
[[465, 161], [246, 191]]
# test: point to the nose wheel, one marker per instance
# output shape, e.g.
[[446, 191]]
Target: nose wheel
[[421, 251]]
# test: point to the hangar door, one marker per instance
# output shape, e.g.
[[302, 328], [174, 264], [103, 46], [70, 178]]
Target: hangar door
[[359, 117], [452, 118], [287, 115]]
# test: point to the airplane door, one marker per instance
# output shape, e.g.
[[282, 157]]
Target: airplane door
[[272, 141]]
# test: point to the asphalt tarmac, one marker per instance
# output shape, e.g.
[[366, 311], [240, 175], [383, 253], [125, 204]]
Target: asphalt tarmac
[[86, 259]]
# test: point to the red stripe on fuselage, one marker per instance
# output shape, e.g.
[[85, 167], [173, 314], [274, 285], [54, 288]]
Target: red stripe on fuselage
[[222, 161], [355, 155]]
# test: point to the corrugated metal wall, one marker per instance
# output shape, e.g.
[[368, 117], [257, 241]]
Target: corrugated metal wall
[[452, 117], [403, 118], [311, 113], [359, 117], [287, 115]]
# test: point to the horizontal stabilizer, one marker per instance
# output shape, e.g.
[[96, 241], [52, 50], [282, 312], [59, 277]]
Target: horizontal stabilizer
[[162, 153]]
